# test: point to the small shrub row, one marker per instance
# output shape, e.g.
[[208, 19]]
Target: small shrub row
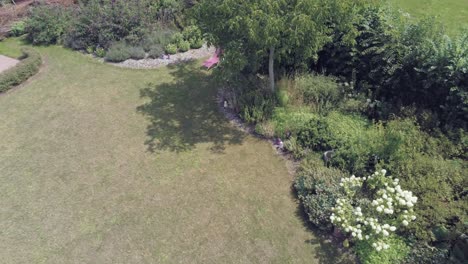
[[26, 68], [121, 51], [190, 38]]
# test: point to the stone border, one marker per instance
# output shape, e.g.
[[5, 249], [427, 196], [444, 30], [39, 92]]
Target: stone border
[[149, 63]]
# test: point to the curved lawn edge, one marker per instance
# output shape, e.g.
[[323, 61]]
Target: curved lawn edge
[[26, 68]]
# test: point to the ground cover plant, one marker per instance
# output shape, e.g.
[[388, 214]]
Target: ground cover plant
[[111, 165]]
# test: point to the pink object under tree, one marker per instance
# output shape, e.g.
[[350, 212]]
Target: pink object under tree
[[213, 60]]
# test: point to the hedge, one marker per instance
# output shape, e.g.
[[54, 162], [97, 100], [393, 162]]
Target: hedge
[[26, 68]]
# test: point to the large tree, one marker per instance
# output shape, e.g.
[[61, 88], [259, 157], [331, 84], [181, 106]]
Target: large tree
[[249, 30]]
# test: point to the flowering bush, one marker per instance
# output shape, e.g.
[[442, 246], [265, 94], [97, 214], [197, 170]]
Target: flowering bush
[[373, 208]]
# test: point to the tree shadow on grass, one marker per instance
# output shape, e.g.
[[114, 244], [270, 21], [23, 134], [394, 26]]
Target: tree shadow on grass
[[327, 250], [184, 113]]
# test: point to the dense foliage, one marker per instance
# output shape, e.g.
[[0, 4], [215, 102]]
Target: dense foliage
[[26, 68], [47, 24], [123, 28], [400, 62]]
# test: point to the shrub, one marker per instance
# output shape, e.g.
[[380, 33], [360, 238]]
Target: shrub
[[265, 129], [155, 51], [294, 147], [118, 52], [322, 93], [422, 253], [184, 46], [177, 38], [196, 43], [439, 184], [90, 50], [103, 22], [171, 49], [47, 24], [136, 53], [396, 252], [100, 52], [290, 120], [373, 208], [318, 188], [283, 97], [26, 68], [18, 28], [192, 32], [158, 37], [193, 35], [257, 105]]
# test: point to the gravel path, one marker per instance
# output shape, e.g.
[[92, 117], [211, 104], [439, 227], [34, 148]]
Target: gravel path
[[6, 63], [176, 58]]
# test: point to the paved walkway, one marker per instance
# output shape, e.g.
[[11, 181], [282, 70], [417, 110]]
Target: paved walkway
[[6, 63]]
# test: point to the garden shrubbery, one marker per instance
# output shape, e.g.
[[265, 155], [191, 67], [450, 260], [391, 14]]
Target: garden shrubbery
[[26, 68], [428, 165], [97, 24], [47, 24], [18, 28], [318, 189]]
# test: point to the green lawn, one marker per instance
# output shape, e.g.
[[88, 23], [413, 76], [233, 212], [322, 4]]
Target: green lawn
[[107, 165], [453, 13]]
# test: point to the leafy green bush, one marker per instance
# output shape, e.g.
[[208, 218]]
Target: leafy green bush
[[177, 38], [292, 145], [193, 35], [439, 184], [100, 52], [89, 50], [184, 46], [158, 37], [196, 43], [192, 32], [103, 22], [171, 48], [318, 188], [283, 97], [422, 253], [396, 252], [322, 93], [290, 120], [257, 105], [118, 52], [47, 24], [265, 129], [18, 28], [136, 53], [26, 68], [155, 51]]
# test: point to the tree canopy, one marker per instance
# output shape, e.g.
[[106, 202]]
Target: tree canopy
[[249, 31]]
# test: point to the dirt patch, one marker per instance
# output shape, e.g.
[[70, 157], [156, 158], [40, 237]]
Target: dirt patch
[[7, 63]]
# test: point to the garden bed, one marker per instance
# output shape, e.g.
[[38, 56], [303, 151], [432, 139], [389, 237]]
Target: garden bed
[[149, 63]]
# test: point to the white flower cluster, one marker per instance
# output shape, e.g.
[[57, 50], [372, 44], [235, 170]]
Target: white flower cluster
[[391, 206], [379, 245], [352, 181], [393, 199]]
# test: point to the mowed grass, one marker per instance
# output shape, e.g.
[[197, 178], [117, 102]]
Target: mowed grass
[[107, 165], [9, 47], [452, 13]]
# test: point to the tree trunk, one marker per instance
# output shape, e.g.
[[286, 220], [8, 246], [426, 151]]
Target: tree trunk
[[271, 72]]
